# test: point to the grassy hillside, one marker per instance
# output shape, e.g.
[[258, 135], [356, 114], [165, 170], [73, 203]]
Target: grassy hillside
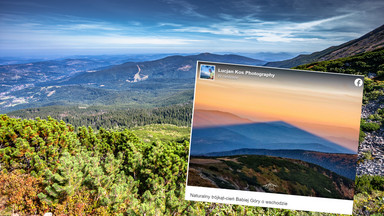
[[162, 133], [363, 64]]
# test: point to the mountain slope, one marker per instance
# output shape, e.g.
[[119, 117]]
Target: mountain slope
[[368, 42], [168, 69]]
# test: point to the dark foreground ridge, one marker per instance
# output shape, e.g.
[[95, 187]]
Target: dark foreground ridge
[[268, 174]]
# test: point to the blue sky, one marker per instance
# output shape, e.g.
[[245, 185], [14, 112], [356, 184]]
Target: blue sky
[[169, 26]]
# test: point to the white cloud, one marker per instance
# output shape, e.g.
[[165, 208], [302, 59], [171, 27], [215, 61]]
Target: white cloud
[[285, 32], [76, 32], [57, 22], [169, 24], [184, 7], [231, 32], [305, 26], [44, 39], [127, 40], [88, 26]]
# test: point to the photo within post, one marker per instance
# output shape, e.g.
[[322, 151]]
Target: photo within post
[[274, 137]]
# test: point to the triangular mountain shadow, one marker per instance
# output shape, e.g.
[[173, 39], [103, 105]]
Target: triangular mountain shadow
[[276, 135]]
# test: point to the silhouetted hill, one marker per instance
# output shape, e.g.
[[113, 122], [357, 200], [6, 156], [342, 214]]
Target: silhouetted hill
[[210, 118]]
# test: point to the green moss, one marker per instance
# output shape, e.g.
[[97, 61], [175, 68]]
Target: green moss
[[369, 126]]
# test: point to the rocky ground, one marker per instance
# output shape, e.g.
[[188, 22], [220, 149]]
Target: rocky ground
[[371, 150]]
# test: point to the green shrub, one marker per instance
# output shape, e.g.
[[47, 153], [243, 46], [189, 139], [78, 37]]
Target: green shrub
[[361, 136], [367, 183], [369, 126], [367, 155]]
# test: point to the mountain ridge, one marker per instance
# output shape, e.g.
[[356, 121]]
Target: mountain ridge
[[368, 42], [342, 164]]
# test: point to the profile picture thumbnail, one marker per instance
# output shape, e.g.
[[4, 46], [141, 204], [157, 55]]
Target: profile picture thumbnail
[[207, 72]]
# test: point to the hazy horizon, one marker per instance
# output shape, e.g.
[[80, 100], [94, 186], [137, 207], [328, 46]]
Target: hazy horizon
[[264, 56]]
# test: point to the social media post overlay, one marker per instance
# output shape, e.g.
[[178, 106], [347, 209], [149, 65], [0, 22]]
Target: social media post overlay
[[274, 137]]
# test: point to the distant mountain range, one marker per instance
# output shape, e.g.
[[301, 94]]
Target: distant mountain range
[[111, 59], [342, 164], [368, 42], [275, 135], [160, 82]]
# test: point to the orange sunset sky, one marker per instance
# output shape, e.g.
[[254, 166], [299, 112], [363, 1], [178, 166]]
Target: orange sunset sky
[[328, 106]]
